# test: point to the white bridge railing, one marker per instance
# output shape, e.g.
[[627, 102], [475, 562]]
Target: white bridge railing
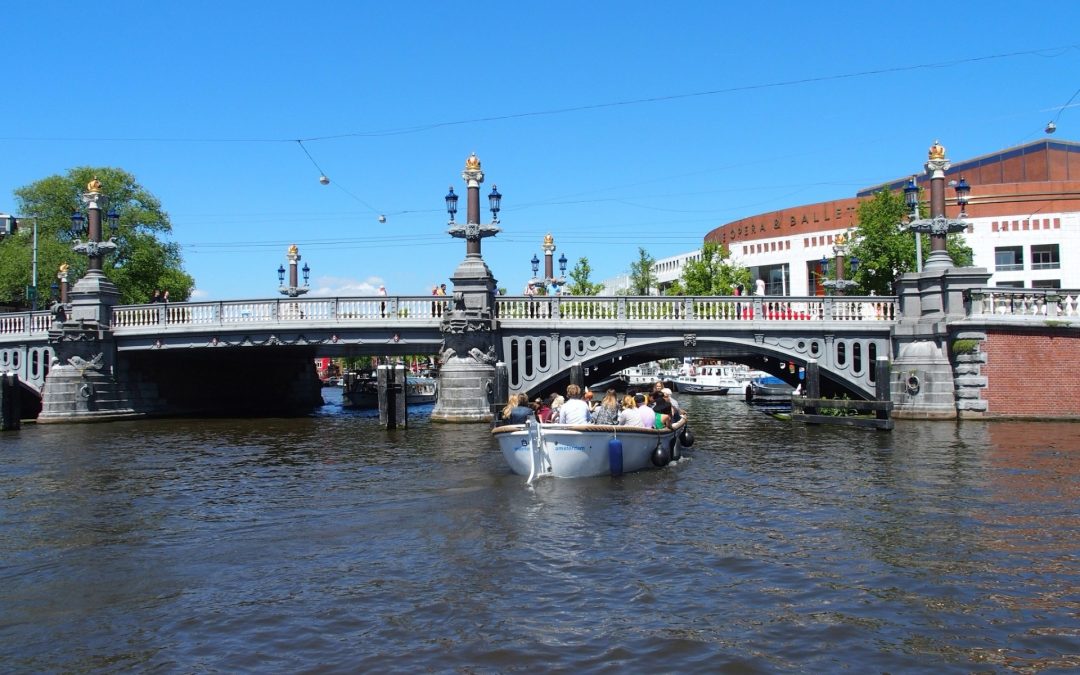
[[427, 309], [25, 323], [309, 310], [706, 308], [1039, 303]]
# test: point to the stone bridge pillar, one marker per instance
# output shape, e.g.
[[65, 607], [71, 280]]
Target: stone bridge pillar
[[82, 383], [922, 376], [467, 374]]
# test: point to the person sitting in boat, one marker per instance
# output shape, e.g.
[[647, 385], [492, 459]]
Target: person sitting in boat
[[544, 412], [574, 410], [645, 413], [676, 412], [607, 412], [517, 410], [662, 415], [628, 416], [556, 402]]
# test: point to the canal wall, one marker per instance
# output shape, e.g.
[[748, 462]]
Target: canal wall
[[1031, 372]]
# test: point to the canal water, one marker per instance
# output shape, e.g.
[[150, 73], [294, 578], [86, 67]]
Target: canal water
[[325, 544]]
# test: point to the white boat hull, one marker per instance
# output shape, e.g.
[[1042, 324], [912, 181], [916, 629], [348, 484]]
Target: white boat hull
[[580, 450]]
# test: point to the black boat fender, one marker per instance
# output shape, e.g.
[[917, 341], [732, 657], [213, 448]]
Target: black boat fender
[[661, 455]]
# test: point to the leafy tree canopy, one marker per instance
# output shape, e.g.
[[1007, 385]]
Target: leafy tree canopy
[[141, 263], [886, 248], [713, 274], [579, 279], [642, 277]]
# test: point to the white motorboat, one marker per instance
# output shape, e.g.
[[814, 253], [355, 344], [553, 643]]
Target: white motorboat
[[715, 379], [582, 450]]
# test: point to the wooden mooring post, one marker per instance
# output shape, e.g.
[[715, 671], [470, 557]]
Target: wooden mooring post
[[393, 395], [807, 409], [10, 405]]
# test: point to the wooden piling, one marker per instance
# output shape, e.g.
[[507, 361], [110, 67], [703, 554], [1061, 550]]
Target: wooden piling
[[393, 397], [10, 405]]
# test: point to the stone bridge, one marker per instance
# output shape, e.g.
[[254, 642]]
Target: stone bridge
[[538, 338]]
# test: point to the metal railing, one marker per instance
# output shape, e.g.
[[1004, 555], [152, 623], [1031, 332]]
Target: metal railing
[[1038, 303]]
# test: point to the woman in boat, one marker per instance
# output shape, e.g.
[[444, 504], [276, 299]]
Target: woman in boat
[[517, 410], [662, 411], [544, 413], [607, 412], [628, 416]]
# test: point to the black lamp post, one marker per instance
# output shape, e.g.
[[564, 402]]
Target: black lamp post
[[963, 190], [451, 203], [495, 202]]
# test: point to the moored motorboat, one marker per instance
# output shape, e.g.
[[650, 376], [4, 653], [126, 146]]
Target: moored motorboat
[[582, 450], [770, 391], [362, 391]]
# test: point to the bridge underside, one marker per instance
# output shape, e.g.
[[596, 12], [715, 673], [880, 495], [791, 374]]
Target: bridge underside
[[540, 362], [225, 382]]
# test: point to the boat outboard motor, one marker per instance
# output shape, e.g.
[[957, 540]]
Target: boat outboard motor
[[614, 451], [661, 455]]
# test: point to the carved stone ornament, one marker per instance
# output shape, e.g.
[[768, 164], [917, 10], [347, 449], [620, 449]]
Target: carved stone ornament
[[82, 365], [94, 248], [689, 340]]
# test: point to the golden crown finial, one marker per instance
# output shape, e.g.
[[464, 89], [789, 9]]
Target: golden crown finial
[[293, 250], [94, 185], [937, 150], [472, 163]]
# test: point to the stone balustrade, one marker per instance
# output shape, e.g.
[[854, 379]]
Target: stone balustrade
[[1020, 303]]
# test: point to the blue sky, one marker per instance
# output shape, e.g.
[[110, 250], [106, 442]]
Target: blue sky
[[612, 125]]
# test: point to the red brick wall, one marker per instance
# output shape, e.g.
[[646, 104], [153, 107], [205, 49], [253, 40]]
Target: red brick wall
[[1031, 374]]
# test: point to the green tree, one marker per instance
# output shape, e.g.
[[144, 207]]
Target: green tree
[[714, 273], [580, 284], [642, 277], [886, 248], [142, 261]]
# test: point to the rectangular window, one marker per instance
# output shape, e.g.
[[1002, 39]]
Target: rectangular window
[[1046, 283], [1008, 258], [1010, 284], [1045, 257]]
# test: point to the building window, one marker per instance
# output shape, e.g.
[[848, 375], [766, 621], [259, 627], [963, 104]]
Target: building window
[[1008, 258], [1010, 284], [1046, 283], [1045, 257]]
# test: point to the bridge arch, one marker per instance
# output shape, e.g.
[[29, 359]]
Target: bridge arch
[[540, 362]]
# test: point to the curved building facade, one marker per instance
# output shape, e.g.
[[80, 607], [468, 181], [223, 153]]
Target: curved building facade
[[1023, 219]]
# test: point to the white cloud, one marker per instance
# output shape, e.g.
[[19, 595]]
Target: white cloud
[[198, 295], [328, 286]]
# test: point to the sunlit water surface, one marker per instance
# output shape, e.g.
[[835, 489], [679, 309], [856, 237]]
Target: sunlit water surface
[[327, 544]]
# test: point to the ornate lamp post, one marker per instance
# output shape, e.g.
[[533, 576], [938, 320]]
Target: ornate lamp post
[[94, 248], [938, 226], [549, 278], [839, 285], [294, 289], [468, 351]]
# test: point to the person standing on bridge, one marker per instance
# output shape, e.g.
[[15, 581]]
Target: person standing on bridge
[[382, 305]]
